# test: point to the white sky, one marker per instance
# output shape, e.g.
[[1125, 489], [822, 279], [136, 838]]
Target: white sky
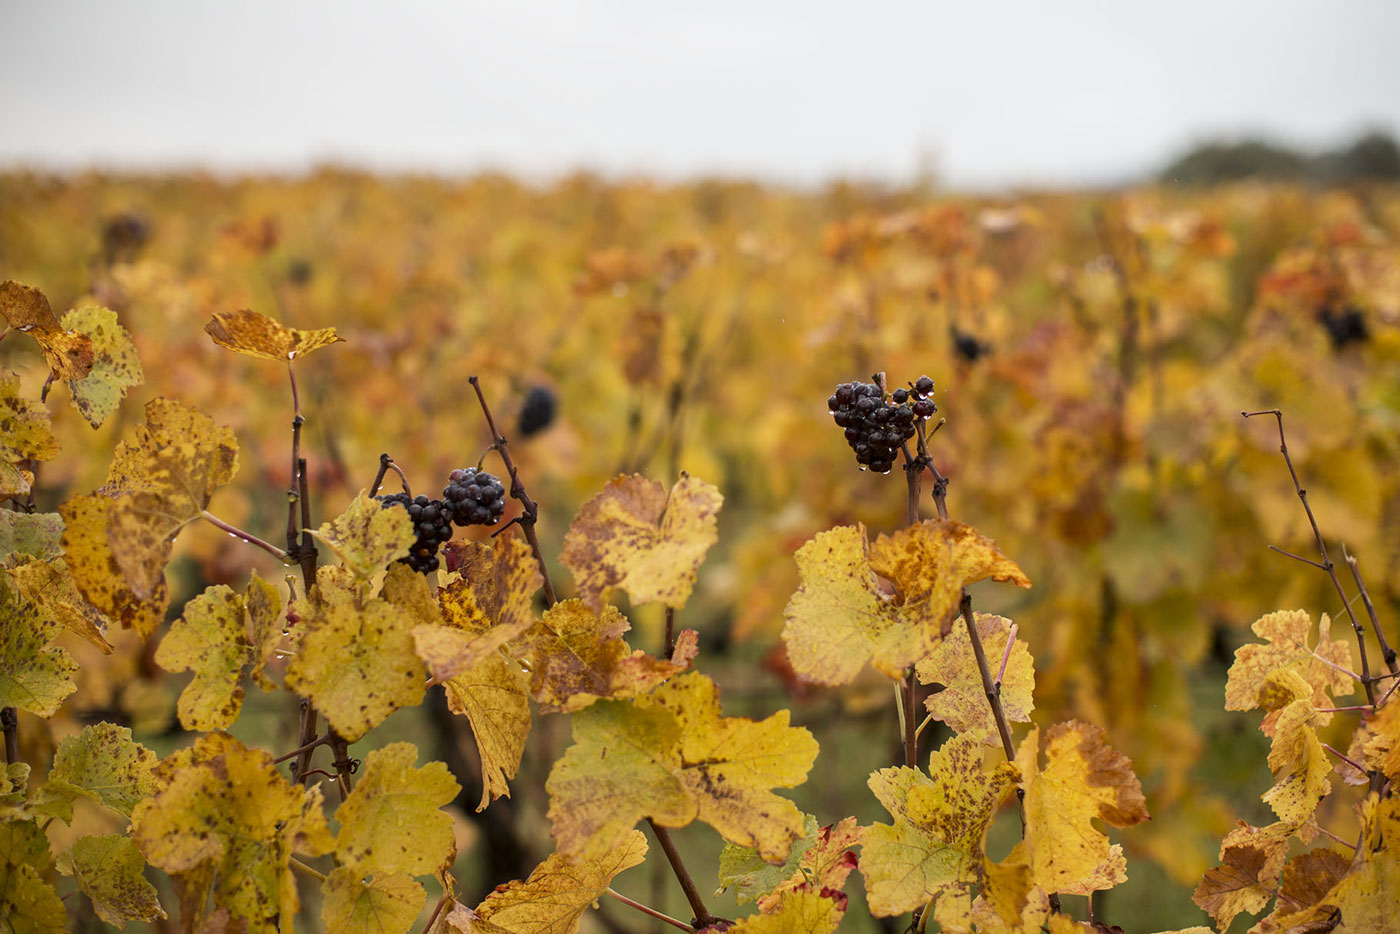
[[988, 93]]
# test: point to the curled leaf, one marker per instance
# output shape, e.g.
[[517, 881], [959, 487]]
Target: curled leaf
[[248, 332]]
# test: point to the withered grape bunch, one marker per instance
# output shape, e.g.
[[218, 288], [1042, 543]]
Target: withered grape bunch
[[876, 426]]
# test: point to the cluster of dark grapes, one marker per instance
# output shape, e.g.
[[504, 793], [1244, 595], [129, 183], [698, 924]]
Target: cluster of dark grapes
[[471, 497], [431, 522], [1344, 327], [474, 497], [876, 427]]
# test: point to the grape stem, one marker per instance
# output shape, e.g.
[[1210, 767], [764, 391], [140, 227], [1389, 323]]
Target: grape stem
[[648, 910], [9, 722], [530, 508]]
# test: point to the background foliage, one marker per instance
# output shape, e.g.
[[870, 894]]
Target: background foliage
[[1092, 354]]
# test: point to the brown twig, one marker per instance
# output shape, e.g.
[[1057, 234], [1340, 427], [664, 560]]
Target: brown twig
[[307, 554], [1366, 681], [703, 917], [1387, 652], [531, 509], [248, 537], [1349, 761], [993, 692], [670, 631], [648, 910]]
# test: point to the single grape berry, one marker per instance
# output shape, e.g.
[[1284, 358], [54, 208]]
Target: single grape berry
[[431, 524], [1344, 327], [473, 497], [538, 412], [923, 386]]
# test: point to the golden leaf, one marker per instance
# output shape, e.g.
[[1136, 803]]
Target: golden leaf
[[366, 537], [248, 332], [672, 757], [1083, 779], [69, 353], [840, 617], [636, 536], [1286, 632], [576, 657], [392, 822], [962, 702], [560, 889]]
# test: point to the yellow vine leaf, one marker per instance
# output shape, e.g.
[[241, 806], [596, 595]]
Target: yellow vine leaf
[[366, 537], [162, 480], [28, 904], [1296, 757], [356, 660], [494, 696], [841, 617], [940, 821], [24, 435], [49, 586], [34, 675], [477, 614], [392, 821], [1376, 744], [1286, 632], [256, 335], [94, 568], [962, 703], [115, 366], [38, 535], [798, 911], [577, 656], [1083, 779], [1009, 901], [560, 889], [227, 809], [636, 536], [672, 757], [211, 640], [69, 354], [1307, 879], [102, 763], [24, 841], [386, 903], [490, 604], [108, 868]]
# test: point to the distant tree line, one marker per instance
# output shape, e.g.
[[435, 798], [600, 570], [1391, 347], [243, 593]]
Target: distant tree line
[[1374, 156]]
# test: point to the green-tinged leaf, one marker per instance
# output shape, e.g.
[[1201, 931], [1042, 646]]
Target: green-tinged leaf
[[115, 366], [34, 675], [37, 534], [366, 537], [28, 904], [102, 763], [211, 640], [108, 868], [356, 663]]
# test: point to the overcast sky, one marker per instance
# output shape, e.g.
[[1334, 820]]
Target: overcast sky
[[986, 93]]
